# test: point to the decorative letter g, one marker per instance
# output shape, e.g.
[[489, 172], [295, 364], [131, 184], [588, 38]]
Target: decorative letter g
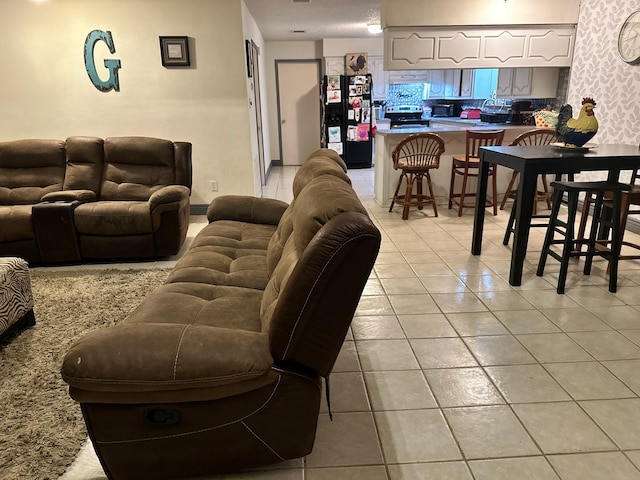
[[112, 65]]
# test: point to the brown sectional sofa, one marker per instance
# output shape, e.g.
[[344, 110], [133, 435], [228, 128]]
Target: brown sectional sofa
[[220, 368], [89, 198]]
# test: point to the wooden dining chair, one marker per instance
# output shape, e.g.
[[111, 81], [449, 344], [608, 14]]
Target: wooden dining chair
[[467, 167], [415, 156], [539, 136]]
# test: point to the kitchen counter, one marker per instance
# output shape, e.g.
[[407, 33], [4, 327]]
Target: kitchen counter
[[453, 132]]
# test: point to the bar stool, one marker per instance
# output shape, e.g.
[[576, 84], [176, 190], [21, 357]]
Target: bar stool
[[629, 199], [415, 156], [599, 225], [536, 216], [463, 166]]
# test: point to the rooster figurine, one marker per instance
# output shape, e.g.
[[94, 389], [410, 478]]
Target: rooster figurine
[[577, 131]]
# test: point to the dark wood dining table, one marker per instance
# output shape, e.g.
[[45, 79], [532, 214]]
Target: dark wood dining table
[[530, 161]]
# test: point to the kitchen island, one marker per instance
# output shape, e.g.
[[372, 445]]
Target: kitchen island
[[453, 132]]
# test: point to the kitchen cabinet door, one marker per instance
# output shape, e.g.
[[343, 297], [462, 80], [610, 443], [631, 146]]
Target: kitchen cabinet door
[[521, 82], [379, 77], [466, 83], [514, 82], [334, 65], [437, 84], [452, 83]]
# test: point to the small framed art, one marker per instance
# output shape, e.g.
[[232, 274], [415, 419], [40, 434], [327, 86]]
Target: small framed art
[[175, 51]]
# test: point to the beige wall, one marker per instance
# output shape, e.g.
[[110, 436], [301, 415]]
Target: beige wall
[[46, 92]]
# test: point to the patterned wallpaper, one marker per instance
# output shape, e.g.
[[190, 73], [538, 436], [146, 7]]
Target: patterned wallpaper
[[599, 72]]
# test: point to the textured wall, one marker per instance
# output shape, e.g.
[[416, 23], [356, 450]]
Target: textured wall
[[599, 72]]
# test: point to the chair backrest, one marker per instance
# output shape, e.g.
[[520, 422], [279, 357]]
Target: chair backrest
[[421, 150], [136, 167], [482, 138], [29, 169], [539, 136]]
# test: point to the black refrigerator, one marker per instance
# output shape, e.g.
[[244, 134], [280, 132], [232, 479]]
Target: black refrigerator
[[346, 118]]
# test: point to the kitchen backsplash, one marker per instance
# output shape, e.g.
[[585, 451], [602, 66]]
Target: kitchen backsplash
[[412, 94], [405, 94]]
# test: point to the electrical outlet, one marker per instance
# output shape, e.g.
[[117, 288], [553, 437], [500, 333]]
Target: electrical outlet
[[214, 185]]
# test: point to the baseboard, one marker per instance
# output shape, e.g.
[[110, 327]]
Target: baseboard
[[199, 209]]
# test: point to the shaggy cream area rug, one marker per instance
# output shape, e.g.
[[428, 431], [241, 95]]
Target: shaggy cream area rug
[[41, 427]]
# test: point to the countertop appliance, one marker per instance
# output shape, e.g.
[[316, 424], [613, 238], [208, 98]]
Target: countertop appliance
[[444, 110], [405, 115], [471, 113]]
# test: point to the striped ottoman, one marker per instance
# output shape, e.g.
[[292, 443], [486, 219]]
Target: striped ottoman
[[16, 300]]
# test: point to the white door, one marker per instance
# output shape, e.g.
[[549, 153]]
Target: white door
[[298, 109]]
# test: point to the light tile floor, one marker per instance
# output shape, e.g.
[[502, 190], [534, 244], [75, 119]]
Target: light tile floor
[[449, 373]]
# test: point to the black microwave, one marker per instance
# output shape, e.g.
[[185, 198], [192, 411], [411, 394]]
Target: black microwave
[[442, 110]]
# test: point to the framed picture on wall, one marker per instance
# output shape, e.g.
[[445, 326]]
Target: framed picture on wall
[[175, 51], [356, 63]]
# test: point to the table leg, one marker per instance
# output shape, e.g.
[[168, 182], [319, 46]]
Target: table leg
[[524, 209], [481, 200]]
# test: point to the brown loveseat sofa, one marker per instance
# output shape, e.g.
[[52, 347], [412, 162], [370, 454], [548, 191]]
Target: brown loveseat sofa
[[89, 198], [219, 369]]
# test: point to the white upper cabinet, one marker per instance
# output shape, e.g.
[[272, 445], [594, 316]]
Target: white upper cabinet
[[527, 82], [514, 82], [334, 65], [410, 48]]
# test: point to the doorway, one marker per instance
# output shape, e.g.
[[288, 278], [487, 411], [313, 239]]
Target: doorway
[[298, 91]]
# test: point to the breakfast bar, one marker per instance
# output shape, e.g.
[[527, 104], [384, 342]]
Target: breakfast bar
[[453, 132], [532, 161]]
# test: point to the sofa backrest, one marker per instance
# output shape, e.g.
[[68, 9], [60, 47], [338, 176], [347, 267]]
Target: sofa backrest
[[135, 167], [321, 162], [85, 159], [324, 264], [29, 169]]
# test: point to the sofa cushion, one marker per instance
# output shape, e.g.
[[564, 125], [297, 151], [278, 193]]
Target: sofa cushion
[[30, 169], [115, 218], [227, 252], [135, 167], [19, 217]]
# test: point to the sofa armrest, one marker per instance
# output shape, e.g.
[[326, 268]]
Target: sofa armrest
[[70, 196], [248, 209], [169, 194], [174, 357]]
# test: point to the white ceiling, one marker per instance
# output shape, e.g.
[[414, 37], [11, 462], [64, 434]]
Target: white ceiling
[[319, 19]]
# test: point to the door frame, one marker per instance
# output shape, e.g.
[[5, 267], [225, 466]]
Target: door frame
[[277, 64], [257, 102]]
